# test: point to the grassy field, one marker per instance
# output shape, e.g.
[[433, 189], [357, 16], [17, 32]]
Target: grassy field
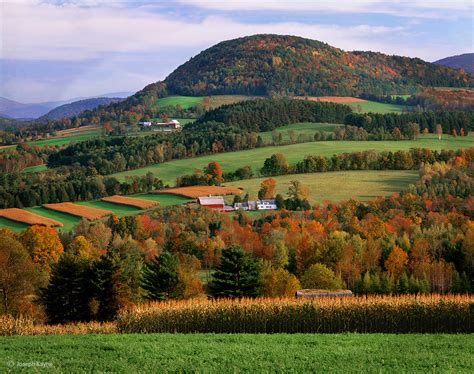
[[341, 185], [305, 128], [34, 169], [69, 221], [184, 101], [230, 161], [375, 107], [238, 353]]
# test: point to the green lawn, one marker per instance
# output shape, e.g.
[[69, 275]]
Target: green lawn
[[305, 128], [230, 161], [375, 107], [235, 353], [341, 185]]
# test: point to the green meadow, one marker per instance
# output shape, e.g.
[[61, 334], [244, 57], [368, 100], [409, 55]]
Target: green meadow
[[336, 186], [254, 158], [236, 353], [375, 107]]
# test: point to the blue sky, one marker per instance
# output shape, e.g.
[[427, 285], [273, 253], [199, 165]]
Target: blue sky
[[55, 50]]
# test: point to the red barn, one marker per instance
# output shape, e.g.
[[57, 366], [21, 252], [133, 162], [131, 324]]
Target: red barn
[[213, 202]]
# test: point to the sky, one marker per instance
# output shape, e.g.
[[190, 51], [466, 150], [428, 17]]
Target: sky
[[61, 49]]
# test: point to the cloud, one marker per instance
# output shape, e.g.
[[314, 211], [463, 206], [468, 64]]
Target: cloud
[[73, 31], [403, 8]]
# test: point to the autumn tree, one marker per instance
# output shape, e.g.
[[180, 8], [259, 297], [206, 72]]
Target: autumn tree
[[43, 244], [18, 276], [319, 276], [275, 165], [396, 261], [413, 130], [214, 173], [267, 189], [298, 191], [278, 282]]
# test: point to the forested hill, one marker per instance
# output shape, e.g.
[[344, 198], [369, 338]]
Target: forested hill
[[278, 64], [77, 107], [464, 61]]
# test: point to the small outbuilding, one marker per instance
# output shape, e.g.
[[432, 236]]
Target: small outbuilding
[[323, 293]]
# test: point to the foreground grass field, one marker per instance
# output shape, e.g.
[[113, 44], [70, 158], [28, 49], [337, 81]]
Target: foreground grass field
[[362, 185], [239, 352], [230, 161]]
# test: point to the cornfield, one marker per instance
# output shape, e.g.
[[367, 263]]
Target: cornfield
[[10, 326], [375, 314]]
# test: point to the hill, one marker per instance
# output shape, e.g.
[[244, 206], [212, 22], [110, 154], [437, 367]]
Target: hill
[[464, 61], [290, 65], [75, 108]]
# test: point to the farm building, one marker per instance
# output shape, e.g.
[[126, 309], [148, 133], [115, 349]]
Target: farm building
[[164, 126], [256, 205], [214, 202]]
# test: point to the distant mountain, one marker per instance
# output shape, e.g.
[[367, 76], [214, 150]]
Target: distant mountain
[[464, 61], [290, 65], [14, 109], [75, 108]]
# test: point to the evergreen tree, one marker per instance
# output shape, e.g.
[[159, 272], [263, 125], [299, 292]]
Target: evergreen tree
[[160, 277], [238, 275], [68, 294]]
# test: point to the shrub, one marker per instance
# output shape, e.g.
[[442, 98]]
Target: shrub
[[321, 277]]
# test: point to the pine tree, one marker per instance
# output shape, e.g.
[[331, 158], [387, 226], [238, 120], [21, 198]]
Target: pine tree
[[68, 294], [160, 277], [238, 275]]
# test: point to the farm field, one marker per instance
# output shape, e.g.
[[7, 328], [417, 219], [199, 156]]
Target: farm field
[[34, 169], [230, 161], [69, 221], [375, 107], [240, 352], [305, 128], [335, 186], [187, 102]]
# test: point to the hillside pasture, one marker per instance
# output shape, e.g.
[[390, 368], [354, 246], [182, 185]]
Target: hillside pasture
[[185, 102], [68, 220], [35, 169], [255, 158], [131, 201], [306, 129], [197, 191], [337, 186], [358, 105], [28, 218], [78, 210]]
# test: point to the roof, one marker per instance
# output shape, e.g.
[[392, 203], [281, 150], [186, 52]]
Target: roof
[[211, 200]]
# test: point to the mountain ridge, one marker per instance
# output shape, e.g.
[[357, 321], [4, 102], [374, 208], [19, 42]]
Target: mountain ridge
[[463, 61]]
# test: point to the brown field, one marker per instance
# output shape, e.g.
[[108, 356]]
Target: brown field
[[24, 216], [332, 99], [197, 191], [78, 210], [131, 201]]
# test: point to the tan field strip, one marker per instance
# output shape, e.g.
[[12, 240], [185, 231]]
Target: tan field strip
[[76, 129], [79, 210], [24, 216], [197, 191], [131, 201], [332, 99]]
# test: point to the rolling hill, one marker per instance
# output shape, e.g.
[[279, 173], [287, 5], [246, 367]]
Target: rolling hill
[[76, 107], [290, 65], [464, 61]]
